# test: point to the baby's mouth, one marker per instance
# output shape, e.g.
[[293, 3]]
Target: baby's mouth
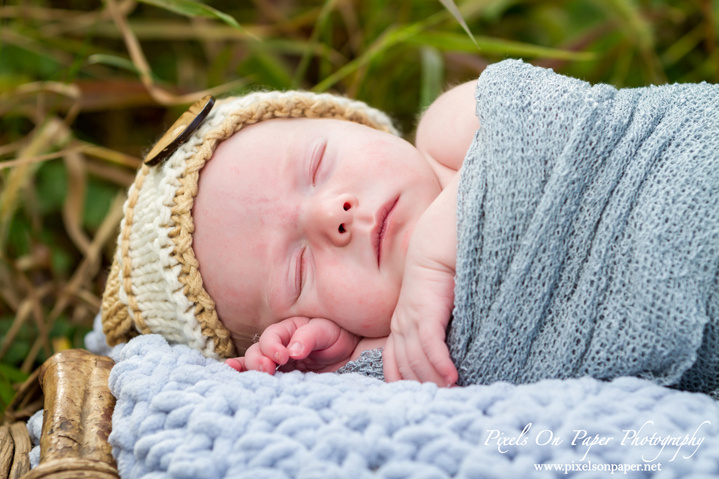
[[380, 227]]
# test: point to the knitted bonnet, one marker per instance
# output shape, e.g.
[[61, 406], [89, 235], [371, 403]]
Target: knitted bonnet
[[155, 285]]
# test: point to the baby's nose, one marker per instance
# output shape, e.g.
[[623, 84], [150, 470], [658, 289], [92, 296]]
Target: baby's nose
[[334, 216]]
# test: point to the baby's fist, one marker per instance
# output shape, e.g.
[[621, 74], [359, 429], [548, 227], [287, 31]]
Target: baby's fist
[[298, 343]]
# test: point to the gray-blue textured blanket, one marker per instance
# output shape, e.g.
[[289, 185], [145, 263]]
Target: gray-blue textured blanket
[[588, 229], [588, 233]]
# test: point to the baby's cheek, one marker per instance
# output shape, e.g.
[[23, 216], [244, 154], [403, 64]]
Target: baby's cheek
[[372, 313], [355, 299]]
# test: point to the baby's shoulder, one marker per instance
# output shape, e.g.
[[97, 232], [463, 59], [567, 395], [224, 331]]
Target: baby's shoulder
[[447, 128]]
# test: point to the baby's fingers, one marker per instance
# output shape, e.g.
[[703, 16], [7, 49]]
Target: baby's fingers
[[389, 362], [404, 360], [255, 360], [275, 339], [437, 354], [417, 366], [318, 334], [238, 364], [403, 364]]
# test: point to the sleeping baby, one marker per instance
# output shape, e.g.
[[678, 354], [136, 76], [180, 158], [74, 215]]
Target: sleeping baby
[[342, 227], [575, 232]]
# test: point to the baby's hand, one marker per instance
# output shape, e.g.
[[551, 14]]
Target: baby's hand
[[299, 343], [415, 348]]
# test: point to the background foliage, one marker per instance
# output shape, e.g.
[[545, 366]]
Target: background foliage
[[86, 86]]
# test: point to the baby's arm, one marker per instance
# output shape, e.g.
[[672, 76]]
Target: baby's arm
[[415, 348], [304, 344]]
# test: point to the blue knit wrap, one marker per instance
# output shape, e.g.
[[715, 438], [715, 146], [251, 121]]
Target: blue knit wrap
[[588, 232]]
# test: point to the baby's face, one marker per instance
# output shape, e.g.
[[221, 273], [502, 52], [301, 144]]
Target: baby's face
[[309, 218]]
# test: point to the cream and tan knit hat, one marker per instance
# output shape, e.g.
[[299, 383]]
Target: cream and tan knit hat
[[155, 284]]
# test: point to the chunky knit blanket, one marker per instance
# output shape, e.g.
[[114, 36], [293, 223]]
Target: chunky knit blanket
[[588, 233], [180, 415]]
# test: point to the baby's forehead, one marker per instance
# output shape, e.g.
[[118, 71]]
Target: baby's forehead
[[274, 131], [255, 164], [261, 150], [233, 183], [250, 173]]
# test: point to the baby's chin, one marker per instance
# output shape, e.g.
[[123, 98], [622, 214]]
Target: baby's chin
[[375, 327]]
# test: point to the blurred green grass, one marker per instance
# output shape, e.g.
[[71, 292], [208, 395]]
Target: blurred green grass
[[86, 86]]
